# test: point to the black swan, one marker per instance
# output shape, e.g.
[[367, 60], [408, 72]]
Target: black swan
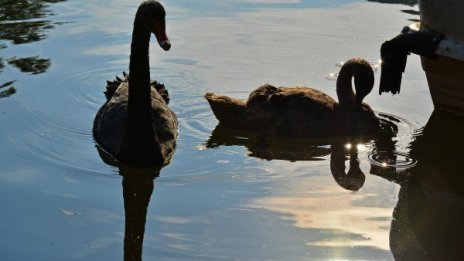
[[135, 125], [303, 112]]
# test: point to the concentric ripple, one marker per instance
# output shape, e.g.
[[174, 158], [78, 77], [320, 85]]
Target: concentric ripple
[[391, 147], [391, 159], [57, 129]]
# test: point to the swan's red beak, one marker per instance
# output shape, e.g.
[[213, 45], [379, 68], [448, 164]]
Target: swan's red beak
[[160, 32]]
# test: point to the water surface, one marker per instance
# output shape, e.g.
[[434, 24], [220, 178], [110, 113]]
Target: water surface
[[225, 196]]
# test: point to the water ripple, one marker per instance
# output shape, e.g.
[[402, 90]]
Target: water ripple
[[59, 127], [392, 145], [391, 159]]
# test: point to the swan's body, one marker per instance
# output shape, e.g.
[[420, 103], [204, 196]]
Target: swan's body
[[135, 125], [303, 112]]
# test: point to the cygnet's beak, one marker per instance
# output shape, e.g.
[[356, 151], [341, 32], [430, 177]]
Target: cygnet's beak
[[160, 32]]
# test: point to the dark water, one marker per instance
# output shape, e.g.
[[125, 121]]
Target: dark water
[[225, 195]]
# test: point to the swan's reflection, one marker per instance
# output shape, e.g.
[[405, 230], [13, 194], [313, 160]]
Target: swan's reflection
[[138, 186], [383, 140], [268, 148], [353, 179], [302, 150], [427, 220]]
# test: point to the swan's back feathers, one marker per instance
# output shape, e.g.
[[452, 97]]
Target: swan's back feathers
[[291, 111], [288, 99], [111, 120], [112, 86]]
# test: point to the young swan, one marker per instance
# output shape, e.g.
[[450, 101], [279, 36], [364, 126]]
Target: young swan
[[303, 112]]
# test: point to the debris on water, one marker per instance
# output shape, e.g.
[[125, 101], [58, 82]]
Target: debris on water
[[332, 76], [340, 64], [69, 212], [200, 147]]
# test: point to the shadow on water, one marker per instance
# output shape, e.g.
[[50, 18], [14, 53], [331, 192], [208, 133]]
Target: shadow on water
[[23, 22], [427, 220]]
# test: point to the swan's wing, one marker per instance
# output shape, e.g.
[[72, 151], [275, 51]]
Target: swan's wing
[[112, 86]]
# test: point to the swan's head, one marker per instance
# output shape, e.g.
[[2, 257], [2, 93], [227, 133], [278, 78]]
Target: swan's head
[[363, 75], [152, 16]]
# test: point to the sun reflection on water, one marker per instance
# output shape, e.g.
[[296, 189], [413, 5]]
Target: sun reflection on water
[[331, 209]]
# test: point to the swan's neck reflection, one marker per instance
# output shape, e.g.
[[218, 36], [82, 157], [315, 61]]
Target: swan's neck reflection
[[353, 179], [137, 191]]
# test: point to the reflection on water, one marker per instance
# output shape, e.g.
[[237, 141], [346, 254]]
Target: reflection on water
[[430, 208], [9, 90], [427, 220], [325, 207], [21, 22], [339, 148], [426, 223], [301, 150], [32, 65], [138, 186], [253, 200], [352, 180], [404, 2], [268, 148]]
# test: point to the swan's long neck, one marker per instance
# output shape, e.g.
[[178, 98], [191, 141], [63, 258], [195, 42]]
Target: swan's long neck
[[345, 92], [140, 135], [363, 76], [139, 103]]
